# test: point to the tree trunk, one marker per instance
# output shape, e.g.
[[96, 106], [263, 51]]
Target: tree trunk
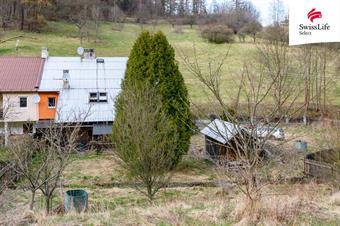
[[81, 37], [150, 194], [47, 195], [47, 204], [32, 199], [6, 134], [22, 18]]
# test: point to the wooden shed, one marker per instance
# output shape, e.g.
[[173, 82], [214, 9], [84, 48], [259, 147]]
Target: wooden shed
[[223, 139]]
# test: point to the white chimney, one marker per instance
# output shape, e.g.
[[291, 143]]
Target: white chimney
[[44, 53], [89, 54]]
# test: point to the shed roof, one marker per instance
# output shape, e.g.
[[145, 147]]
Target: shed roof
[[220, 130], [20, 74]]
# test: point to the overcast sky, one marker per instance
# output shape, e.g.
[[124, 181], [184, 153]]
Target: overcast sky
[[263, 7]]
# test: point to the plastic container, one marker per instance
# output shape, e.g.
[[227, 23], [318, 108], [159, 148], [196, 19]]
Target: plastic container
[[76, 200], [301, 145]]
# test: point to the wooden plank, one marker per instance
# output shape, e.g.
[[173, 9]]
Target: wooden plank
[[318, 169]]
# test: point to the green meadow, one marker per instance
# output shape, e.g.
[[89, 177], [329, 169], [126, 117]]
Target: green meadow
[[62, 39]]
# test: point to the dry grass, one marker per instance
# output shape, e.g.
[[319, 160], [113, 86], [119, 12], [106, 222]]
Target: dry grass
[[300, 204], [280, 204]]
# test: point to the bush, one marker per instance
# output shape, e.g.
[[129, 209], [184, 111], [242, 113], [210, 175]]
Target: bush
[[218, 34], [275, 34]]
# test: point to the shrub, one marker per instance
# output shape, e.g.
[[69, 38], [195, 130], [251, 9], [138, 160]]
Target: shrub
[[218, 34]]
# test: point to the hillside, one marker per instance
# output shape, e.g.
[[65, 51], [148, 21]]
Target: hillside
[[62, 40]]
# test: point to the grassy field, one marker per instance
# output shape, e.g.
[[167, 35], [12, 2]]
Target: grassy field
[[62, 40], [113, 202], [297, 204]]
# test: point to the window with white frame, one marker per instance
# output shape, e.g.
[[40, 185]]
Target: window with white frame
[[103, 97], [98, 97], [51, 102]]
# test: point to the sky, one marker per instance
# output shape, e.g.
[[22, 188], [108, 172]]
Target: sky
[[263, 7]]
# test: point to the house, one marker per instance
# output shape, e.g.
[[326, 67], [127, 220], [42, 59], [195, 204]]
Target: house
[[19, 82], [37, 90], [226, 141], [81, 90]]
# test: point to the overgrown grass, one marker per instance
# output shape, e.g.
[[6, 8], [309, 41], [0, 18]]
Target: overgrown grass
[[4, 155]]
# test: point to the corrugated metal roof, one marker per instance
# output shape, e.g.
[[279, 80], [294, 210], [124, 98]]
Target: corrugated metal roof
[[220, 130], [85, 76], [20, 74]]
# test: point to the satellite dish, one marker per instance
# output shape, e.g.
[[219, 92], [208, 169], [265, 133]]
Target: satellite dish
[[36, 99], [80, 51]]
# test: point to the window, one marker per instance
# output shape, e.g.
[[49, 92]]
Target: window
[[23, 102], [103, 97], [98, 97], [51, 102], [93, 97]]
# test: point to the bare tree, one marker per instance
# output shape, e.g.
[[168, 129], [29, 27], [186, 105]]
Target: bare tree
[[41, 160], [277, 9], [144, 139], [79, 13], [317, 75], [252, 29], [244, 151], [277, 62], [7, 113]]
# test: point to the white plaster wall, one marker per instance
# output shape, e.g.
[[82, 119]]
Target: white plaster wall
[[14, 113]]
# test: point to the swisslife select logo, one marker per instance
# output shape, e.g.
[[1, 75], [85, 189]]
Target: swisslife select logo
[[312, 15], [314, 21]]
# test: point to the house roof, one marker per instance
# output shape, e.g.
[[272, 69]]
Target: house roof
[[20, 74], [85, 76], [220, 130]]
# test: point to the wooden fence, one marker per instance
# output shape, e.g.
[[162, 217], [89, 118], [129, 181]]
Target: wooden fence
[[319, 164]]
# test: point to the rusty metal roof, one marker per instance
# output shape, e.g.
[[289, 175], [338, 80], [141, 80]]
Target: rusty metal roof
[[20, 74]]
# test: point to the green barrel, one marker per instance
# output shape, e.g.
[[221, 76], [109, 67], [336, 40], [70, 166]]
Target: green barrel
[[76, 200]]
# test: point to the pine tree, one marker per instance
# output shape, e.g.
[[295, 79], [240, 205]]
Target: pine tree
[[152, 63], [165, 74], [138, 64], [137, 68]]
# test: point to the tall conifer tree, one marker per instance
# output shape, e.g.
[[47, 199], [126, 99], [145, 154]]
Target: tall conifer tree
[[152, 63]]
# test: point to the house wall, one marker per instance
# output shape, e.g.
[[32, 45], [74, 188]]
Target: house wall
[[216, 150], [14, 113], [46, 112]]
